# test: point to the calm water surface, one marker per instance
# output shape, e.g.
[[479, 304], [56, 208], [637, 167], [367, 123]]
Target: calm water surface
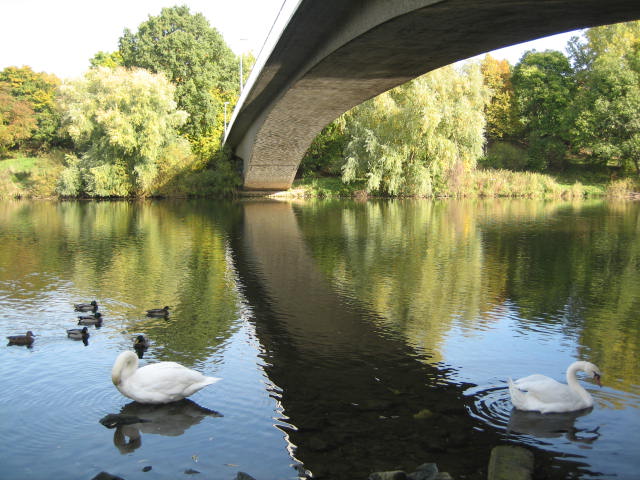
[[351, 337]]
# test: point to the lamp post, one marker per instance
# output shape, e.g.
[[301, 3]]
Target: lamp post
[[225, 118], [241, 55]]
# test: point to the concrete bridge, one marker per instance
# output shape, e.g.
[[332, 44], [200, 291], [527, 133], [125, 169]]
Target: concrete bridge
[[334, 54]]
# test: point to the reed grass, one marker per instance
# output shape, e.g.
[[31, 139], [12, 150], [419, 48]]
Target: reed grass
[[625, 187], [505, 183]]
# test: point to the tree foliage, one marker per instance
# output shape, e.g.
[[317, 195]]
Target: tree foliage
[[38, 91], [106, 59], [325, 155], [195, 58], [417, 138], [500, 113], [607, 121], [544, 86], [121, 121], [17, 119]]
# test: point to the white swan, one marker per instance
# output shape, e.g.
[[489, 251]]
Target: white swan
[[545, 395], [161, 382]]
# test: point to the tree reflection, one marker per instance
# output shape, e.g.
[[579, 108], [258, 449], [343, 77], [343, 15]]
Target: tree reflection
[[133, 255], [427, 266]]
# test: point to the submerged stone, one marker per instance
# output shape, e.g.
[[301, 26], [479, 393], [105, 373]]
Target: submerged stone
[[423, 414], [426, 471], [106, 476], [244, 476], [394, 475]]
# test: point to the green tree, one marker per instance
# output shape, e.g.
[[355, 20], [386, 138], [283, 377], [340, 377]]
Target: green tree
[[417, 139], [607, 124], [17, 119], [39, 91], [121, 121], [325, 155], [105, 59], [544, 87], [196, 60]]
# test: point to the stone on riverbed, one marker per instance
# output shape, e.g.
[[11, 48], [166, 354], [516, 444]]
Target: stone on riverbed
[[426, 471], [394, 475]]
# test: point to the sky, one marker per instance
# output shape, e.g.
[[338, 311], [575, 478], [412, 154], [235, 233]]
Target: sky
[[60, 36]]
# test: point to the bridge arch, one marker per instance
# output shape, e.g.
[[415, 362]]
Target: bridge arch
[[335, 54]]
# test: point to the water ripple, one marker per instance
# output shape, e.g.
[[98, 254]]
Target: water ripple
[[490, 405]]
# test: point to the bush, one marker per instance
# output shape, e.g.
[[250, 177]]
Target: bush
[[70, 181], [504, 155], [184, 175]]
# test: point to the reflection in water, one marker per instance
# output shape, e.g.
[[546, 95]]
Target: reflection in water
[[365, 298], [360, 399], [128, 255], [381, 332], [552, 425], [427, 267], [171, 419]]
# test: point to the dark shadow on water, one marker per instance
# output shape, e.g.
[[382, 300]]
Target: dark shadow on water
[[171, 419], [357, 397]]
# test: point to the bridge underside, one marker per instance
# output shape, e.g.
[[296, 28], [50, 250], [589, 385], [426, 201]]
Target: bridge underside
[[335, 54]]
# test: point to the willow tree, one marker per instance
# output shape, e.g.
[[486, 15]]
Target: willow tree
[[121, 121], [419, 137]]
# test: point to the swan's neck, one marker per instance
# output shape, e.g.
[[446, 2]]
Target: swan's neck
[[125, 365], [572, 380]]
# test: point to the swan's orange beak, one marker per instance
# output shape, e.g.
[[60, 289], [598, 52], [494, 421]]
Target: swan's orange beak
[[596, 377]]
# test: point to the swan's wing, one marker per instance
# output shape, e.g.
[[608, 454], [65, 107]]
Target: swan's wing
[[167, 379], [544, 389], [536, 381]]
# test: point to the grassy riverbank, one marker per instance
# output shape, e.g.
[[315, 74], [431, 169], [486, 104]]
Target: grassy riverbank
[[30, 176], [37, 177], [488, 183], [27, 176]]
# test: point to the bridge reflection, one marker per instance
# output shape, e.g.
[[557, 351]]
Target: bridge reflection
[[359, 399]]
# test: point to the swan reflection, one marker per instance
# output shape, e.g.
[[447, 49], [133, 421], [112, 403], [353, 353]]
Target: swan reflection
[[170, 419], [552, 425]]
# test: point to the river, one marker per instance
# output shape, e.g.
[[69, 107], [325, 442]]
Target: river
[[351, 337]]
